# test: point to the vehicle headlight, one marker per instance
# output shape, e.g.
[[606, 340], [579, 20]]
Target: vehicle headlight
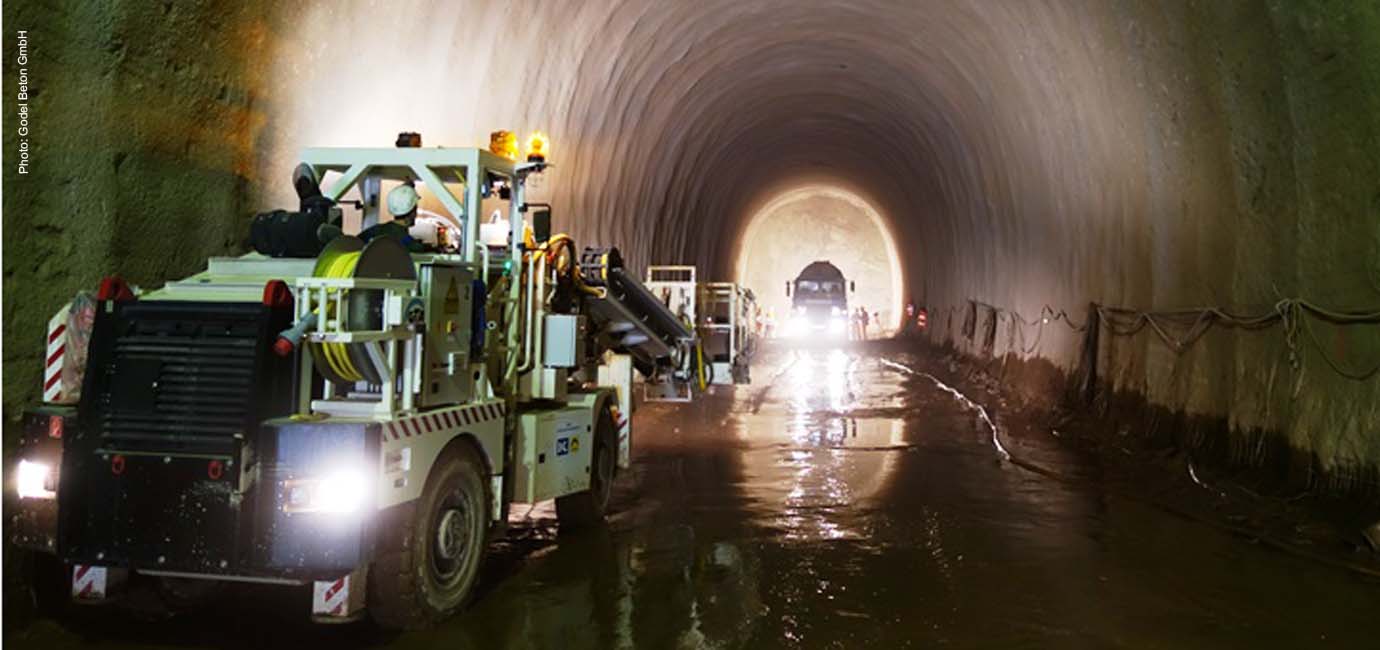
[[35, 480], [343, 490], [837, 325], [836, 310]]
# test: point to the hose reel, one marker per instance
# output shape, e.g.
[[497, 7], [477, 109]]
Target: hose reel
[[346, 258]]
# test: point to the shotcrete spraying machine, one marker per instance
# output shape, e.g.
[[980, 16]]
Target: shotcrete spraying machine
[[351, 411]]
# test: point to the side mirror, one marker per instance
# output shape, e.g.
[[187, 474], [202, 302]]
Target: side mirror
[[852, 286], [541, 224], [788, 288], [541, 220]]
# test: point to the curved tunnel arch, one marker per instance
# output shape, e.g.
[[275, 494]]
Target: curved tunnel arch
[[673, 117], [1148, 154], [1043, 153]]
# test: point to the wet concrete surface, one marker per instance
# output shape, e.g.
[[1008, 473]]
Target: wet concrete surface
[[837, 502]]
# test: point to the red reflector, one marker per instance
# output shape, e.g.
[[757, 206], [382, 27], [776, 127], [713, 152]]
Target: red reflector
[[277, 294], [117, 465], [113, 287], [55, 426], [215, 469], [282, 347]]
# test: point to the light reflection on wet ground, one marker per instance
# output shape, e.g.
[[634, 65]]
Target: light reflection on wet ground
[[840, 503], [834, 453]]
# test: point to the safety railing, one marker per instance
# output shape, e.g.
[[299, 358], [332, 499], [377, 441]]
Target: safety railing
[[392, 349]]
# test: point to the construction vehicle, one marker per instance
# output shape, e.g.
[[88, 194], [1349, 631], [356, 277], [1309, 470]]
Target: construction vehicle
[[721, 314], [819, 302], [675, 288], [352, 417], [727, 330]]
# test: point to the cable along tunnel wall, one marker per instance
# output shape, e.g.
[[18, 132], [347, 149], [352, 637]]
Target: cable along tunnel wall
[[1113, 339]]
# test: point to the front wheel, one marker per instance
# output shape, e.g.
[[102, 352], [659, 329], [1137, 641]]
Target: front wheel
[[587, 508], [428, 568]]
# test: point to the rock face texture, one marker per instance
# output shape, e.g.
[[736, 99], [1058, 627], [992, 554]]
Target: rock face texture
[[144, 118], [1154, 155]]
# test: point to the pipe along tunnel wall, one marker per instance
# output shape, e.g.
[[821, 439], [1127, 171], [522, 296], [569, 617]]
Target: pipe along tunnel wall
[[1153, 155]]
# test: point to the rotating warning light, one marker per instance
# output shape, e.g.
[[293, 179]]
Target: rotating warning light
[[504, 143], [538, 145]]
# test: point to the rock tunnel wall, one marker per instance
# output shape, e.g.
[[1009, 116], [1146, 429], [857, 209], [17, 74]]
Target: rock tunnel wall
[[1153, 155], [144, 120]]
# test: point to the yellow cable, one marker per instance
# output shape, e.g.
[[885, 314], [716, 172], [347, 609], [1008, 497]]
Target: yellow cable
[[699, 354], [336, 354], [552, 246]]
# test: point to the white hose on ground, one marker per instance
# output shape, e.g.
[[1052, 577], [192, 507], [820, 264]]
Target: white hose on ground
[[962, 399]]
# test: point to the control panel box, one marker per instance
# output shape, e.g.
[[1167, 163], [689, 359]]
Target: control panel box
[[563, 340], [449, 303], [554, 451]]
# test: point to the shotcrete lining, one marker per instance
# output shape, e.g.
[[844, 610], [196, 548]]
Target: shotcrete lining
[[673, 119], [1032, 153], [1148, 154]]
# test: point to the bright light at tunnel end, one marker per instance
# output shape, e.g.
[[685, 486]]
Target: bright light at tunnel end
[[787, 325]]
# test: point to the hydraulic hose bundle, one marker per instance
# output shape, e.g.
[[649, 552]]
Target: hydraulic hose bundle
[[564, 266]]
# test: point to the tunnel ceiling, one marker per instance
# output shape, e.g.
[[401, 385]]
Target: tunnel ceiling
[[1026, 154], [673, 121], [1151, 154]]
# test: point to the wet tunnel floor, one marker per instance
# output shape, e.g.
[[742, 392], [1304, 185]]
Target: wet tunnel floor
[[839, 502]]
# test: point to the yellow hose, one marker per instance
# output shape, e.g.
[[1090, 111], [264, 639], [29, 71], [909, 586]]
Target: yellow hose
[[699, 365], [552, 247], [336, 354]]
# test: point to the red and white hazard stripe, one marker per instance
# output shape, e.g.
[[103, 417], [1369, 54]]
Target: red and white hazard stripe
[[56, 352], [624, 432], [446, 420], [88, 582], [621, 424], [331, 597]]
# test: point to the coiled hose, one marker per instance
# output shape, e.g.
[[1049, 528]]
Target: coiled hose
[[336, 355]]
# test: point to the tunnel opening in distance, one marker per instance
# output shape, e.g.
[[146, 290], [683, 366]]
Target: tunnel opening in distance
[[821, 223]]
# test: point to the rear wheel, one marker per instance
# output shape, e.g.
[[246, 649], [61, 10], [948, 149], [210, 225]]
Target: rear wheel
[[429, 565], [49, 581], [587, 508]]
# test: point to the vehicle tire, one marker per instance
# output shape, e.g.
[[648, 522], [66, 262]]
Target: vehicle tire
[[49, 583], [429, 559], [587, 508]]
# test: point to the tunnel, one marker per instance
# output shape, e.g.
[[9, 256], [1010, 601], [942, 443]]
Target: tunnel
[[1164, 212], [1022, 155]]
